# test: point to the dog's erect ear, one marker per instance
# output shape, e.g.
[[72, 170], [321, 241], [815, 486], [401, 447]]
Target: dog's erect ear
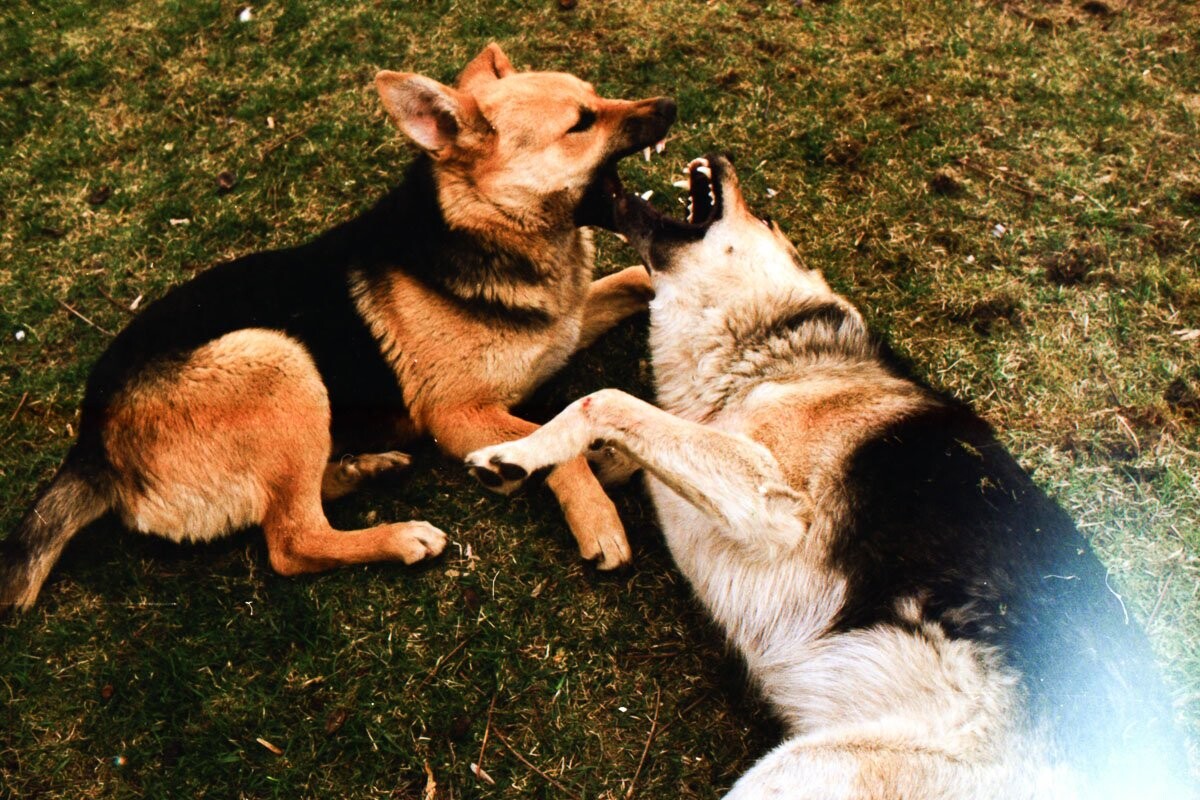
[[489, 65], [432, 115]]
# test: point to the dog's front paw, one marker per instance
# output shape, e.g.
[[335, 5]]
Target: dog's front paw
[[600, 534], [497, 469], [417, 540]]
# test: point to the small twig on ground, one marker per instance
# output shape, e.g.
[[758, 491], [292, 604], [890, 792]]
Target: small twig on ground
[[645, 750], [487, 728], [1120, 599], [68, 307], [967, 163], [1161, 594], [115, 301], [20, 405], [442, 661], [685, 711], [556, 784], [1082, 193], [431, 784], [275, 144]]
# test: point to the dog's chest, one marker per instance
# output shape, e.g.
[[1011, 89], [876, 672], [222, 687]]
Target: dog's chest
[[441, 349]]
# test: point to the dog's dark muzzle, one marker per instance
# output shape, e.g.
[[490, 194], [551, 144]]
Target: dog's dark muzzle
[[644, 125], [648, 126]]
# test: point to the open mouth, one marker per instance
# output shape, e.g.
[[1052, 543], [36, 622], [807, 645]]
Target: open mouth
[[596, 206], [599, 199], [704, 194], [635, 217]]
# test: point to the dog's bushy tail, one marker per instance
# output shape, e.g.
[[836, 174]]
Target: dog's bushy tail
[[70, 502]]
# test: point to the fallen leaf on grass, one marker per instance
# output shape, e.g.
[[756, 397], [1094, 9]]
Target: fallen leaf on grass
[[336, 720]]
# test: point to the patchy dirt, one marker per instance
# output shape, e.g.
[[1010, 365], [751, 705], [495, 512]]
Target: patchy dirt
[[1183, 396], [987, 314], [1075, 264]]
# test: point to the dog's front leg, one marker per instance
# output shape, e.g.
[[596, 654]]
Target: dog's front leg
[[613, 298], [729, 477], [590, 513]]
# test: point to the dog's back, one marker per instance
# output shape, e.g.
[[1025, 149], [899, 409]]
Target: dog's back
[[939, 511]]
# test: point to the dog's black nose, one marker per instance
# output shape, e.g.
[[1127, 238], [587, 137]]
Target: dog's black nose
[[665, 107]]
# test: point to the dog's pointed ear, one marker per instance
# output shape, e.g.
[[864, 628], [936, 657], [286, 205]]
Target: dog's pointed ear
[[489, 65], [432, 115]]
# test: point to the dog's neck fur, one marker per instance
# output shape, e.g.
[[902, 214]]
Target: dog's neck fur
[[512, 226], [472, 253], [705, 356]]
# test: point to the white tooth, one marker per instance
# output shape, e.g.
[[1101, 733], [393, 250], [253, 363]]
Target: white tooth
[[682, 184], [620, 236], [646, 195], [705, 171], [646, 153], [697, 162], [712, 198], [661, 146], [691, 211]]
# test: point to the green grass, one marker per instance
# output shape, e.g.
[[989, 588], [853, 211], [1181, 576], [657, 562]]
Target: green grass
[[897, 135]]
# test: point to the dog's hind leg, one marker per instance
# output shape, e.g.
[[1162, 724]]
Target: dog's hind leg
[[300, 538], [236, 435], [611, 299], [590, 513], [346, 474], [729, 477]]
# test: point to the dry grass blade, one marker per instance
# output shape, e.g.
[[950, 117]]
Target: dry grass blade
[[549, 779], [72, 310], [649, 739]]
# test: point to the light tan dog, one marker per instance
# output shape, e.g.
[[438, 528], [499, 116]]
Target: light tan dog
[[220, 406], [926, 623]]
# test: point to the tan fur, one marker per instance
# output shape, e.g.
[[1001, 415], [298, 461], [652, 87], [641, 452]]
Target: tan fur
[[238, 435], [511, 176], [812, 427]]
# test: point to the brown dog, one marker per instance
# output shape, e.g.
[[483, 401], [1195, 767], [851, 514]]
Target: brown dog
[[219, 407]]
